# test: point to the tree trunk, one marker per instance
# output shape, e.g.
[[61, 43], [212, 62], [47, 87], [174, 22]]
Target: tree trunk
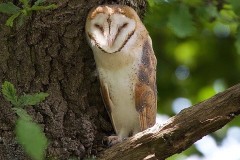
[[49, 53]]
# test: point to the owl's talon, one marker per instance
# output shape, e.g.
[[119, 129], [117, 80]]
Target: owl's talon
[[124, 139], [111, 140]]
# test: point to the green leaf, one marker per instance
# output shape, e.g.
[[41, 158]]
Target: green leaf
[[32, 99], [207, 13], [21, 20], [32, 138], [22, 114], [236, 6], [205, 93], [9, 8], [25, 3], [237, 45], [11, 19], [38, 2], [9, 92], [237, 42], [151, 3], [26, 11], [180, 21]]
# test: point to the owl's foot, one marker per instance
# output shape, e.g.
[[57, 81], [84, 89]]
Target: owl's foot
[[112, 140]]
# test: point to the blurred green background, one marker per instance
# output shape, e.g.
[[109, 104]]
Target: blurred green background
[[197, 44]]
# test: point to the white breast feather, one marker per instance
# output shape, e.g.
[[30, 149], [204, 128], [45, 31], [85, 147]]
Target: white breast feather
[[121, 88]]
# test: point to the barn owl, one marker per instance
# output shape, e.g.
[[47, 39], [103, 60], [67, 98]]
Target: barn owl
[[126, 66]]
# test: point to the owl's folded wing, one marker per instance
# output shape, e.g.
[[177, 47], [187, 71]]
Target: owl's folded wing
[[145, 88]]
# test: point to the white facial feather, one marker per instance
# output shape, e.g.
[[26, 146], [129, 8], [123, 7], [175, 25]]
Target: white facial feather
[[111, 32]]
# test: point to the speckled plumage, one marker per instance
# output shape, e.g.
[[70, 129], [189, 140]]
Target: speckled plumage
[[126, 65]]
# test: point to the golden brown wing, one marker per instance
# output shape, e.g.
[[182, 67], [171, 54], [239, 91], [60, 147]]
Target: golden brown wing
[[105, 96], [107, 100], [145, 88]]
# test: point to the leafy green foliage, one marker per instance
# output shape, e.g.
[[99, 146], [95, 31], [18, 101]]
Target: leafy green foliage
[[235, 5], [197, 45], [31, 137], [11, 19], [28, 133], [9, 92], [9, 8], [180, 21], [203, 38], [26, 10], [22, 113], [38, 2], [31, 100]]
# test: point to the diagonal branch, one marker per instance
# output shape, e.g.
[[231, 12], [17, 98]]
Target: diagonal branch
[[180, 131]]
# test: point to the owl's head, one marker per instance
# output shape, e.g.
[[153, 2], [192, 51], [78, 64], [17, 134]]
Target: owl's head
[[110, 27]]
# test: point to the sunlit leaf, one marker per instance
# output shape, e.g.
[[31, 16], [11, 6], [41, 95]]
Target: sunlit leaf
[[32, 138], [11, 19], [236, 6], [227, 14], [9, 8], [25, 3], [9, 92], [205, 93], [185, 53], [38, 2], [22, 113], [32, 99], [151, 3]]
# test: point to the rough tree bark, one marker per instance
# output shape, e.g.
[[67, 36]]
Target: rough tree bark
[[49, 53]]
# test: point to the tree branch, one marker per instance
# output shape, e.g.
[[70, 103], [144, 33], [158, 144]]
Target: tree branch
[[180, 131]]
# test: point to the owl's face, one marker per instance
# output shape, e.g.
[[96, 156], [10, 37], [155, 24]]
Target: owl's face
[[109, 28]]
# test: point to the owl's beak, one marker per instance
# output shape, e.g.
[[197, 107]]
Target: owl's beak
[[110, 41]]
